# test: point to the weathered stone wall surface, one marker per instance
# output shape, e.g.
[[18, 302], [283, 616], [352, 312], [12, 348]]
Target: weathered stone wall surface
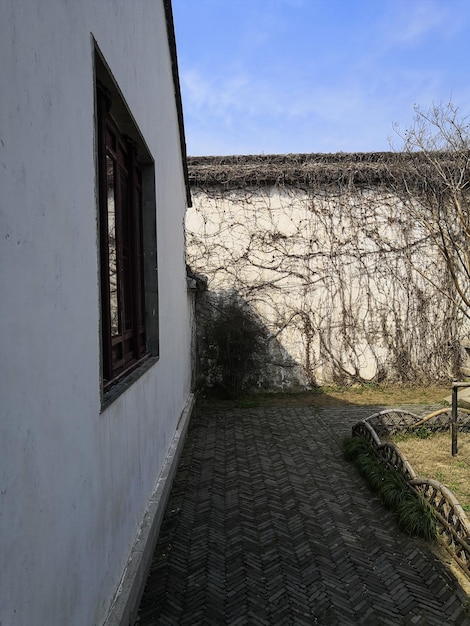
[[338, 277]]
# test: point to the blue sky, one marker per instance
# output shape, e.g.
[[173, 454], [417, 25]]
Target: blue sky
[[288, 76]]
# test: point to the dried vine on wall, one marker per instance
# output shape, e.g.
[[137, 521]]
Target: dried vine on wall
[[326, 256]]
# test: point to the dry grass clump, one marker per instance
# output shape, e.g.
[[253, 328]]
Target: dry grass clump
[[328, 396], [431, 457], [387, 395]]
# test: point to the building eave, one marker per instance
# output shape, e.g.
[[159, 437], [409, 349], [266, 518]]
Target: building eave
[[177, 90]]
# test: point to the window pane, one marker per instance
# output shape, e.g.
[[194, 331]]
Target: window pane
[[112, 246], [126, 235], [140, 260]]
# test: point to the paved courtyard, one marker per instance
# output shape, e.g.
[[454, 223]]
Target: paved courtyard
[[267, 525]]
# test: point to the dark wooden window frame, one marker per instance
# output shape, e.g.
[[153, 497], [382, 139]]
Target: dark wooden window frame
[[123, 332]]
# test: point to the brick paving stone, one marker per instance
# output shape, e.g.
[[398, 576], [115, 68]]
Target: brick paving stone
[[266, 524]]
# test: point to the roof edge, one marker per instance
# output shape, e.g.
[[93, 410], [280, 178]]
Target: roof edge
[[170, 27]]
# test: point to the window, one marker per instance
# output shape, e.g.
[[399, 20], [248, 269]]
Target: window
[[129, 332]]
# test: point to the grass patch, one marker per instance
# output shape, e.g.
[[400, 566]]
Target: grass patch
[[361, 395], [413, 515], [354, 447], [431, 457]]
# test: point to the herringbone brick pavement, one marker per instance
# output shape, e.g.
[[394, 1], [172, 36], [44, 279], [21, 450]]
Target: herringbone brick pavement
[[266, 524]]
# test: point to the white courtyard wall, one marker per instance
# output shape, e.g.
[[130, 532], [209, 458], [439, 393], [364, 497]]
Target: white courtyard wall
[[336, 277]]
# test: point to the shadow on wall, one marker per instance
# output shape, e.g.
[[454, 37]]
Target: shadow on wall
[[342, 277], [236, 352]]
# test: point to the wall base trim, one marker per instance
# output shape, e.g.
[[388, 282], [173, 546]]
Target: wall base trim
[[123, 611]]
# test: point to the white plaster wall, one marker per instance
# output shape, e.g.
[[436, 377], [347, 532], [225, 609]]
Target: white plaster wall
[[74, 482], [340, 264]]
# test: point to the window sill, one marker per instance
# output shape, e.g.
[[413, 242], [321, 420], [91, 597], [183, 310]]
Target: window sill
[[127, 380]]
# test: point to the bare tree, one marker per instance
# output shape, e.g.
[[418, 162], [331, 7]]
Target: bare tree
[[433, 184]]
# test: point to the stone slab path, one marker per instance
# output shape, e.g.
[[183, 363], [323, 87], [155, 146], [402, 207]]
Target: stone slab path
[[266, 524]]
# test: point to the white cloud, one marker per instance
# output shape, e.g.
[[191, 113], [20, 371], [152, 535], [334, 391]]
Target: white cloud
[[407, 24], [213, 96]]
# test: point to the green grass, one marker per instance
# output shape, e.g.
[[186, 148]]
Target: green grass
[[354, 447], [415, 517], [411, 510], [423, 432], [248, 403]]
